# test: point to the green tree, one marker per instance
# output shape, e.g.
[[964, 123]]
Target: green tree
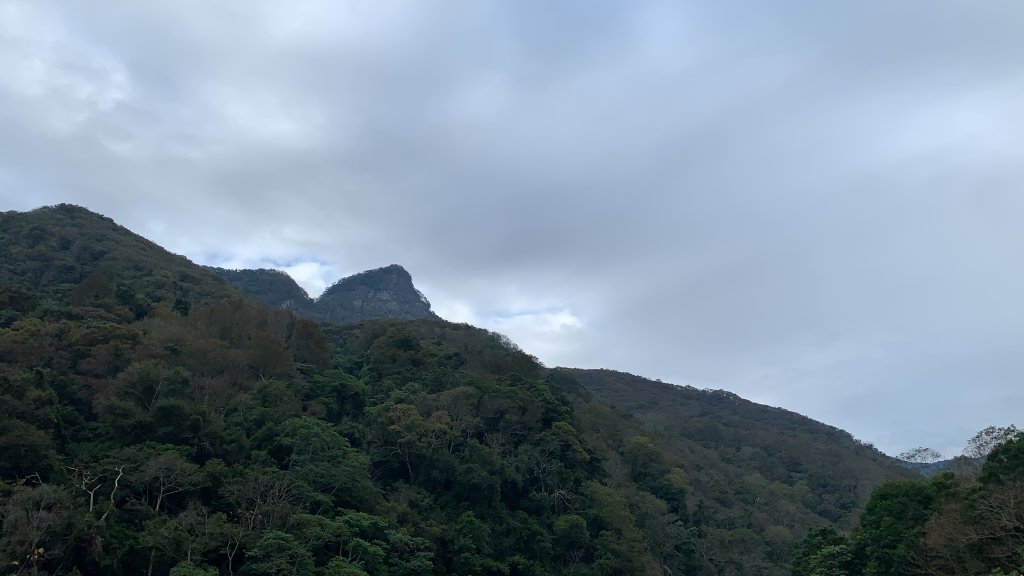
[[309, 345], [401, 436], [408, 555], [823, 552], [619, 545], [268, 356], [982, 443], [892, 528], [572, 540], [35, 522], [278, 554], [163, 472], [469, 546], [342, 567], [189, 569], [325, 461], [1005, 462]]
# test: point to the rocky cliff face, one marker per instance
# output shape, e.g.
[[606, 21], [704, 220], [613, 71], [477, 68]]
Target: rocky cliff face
[[382, 293], [386, 292]]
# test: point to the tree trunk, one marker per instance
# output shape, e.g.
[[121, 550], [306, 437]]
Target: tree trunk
[[152, 557]]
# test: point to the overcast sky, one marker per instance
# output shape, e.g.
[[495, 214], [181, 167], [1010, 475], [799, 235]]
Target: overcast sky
[[816, 205]]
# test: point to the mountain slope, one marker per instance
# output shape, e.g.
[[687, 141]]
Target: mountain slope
[[231, 437], [272, 287], [71, 254], [755, 447], [150, 414], [386, 292]]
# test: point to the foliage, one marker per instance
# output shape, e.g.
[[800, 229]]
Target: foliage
[[78, 258], [754, 479], [154, 421], [823, 552], [892, 527], [921, 455], [966, 525], [982, 443]]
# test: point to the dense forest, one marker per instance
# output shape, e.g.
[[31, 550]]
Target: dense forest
[[155, 420], [964, 521]]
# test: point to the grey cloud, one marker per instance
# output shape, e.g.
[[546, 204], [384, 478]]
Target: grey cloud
[[813, 205]]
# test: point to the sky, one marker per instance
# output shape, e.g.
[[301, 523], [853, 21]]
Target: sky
[[816, 205]]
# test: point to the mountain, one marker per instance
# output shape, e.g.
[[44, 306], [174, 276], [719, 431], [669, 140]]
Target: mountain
[[382, 293], [272, 287], [386, 292], [68, 255], [153, 417], [744, 452], [958, 465], [52, 250]]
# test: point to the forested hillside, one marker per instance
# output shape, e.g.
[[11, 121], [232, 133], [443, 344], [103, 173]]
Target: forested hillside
[[958, 524], [759, 476], [746, 452], [153, 420], [68, 254]]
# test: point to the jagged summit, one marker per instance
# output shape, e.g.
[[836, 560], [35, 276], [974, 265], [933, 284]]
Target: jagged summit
[[393, 275], [60, 246], [386, 292]]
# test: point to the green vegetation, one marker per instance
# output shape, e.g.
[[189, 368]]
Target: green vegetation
[[153, 420], [272, 287], [759, 476], [71, 255], [968, 524], [229, 439]]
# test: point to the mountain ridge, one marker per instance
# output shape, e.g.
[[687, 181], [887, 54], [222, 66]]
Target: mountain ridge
[[54, 249], [84, 243], [735, 436], [385, 292], [115, 350]]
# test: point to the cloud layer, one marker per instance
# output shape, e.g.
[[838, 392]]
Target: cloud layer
[[814, 205]]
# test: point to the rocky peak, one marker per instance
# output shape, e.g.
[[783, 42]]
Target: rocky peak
[[386, 292]]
